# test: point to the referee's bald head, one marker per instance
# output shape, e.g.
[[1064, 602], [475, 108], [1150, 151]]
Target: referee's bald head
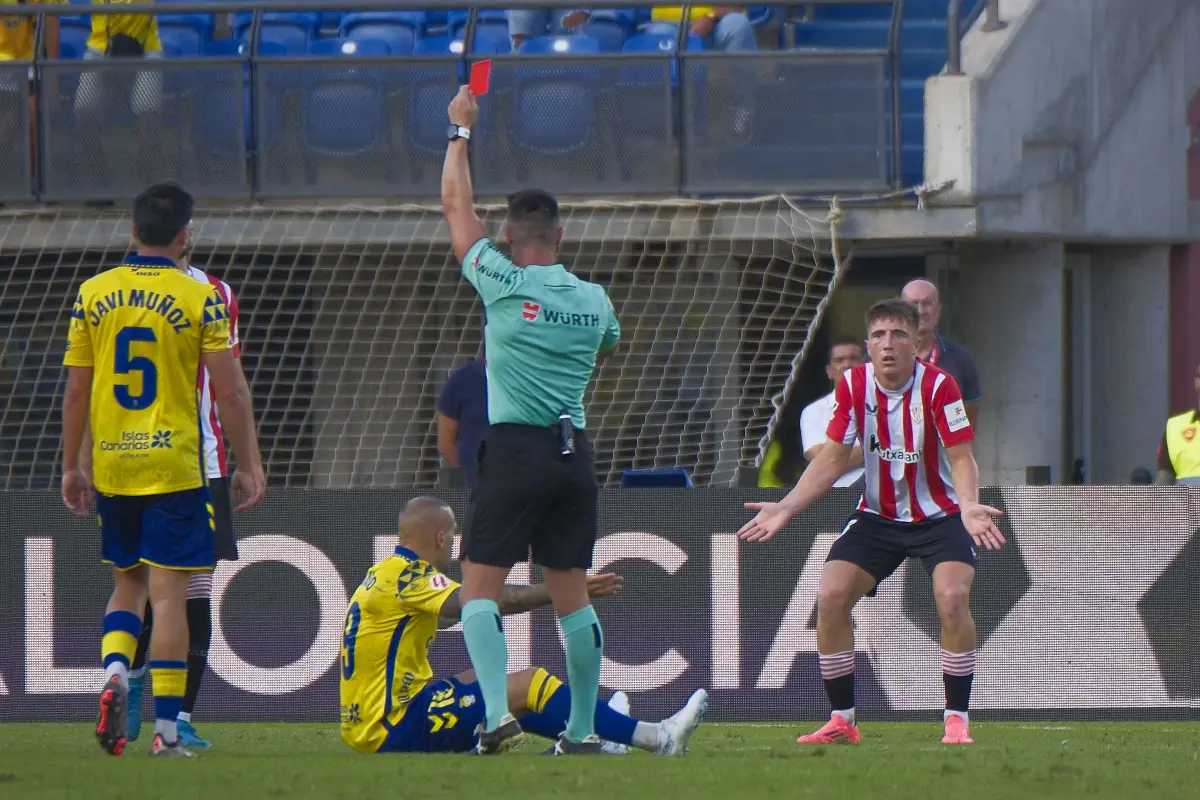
[[532, 226], [427, 527]]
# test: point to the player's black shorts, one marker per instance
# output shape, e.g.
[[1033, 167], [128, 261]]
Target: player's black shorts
[[225, 543], [880, 546], [530, 497]]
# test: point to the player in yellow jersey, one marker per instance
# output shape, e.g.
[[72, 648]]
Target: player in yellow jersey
[[390, 701], [138, 335]]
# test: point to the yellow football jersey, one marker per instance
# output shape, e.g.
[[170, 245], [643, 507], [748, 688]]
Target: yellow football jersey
[[390, 627], [143, 27], [142, 328], [16, 33]]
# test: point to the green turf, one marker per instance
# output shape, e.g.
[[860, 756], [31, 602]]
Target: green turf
[[1011, 760]]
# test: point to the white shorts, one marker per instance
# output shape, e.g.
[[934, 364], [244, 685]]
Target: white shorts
[[144, 97]]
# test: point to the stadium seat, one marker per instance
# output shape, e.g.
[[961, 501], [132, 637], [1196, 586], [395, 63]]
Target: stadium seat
[[430, 89], [559, 45], [444, 45], [759, 15], [659, 43], [490, 24], [435, 21], [291, 29], [349, 48], [73, 35], [399, 29], [554, 110], [185, 34], [672, 478], [610, 27], [342, 110]]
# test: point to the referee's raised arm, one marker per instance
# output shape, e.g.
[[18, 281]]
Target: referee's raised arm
[[458, 196]]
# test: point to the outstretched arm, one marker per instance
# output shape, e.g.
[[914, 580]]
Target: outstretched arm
[[976, 517], [519, 599], [458, 196], [817, 480]]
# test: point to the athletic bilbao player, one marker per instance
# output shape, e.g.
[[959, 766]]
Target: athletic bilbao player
[[921, 500]]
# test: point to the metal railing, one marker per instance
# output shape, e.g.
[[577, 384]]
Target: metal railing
[[691, 149], [956, 27]]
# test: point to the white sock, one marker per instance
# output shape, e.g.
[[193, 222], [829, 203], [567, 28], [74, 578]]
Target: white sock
[[948, 713], [847, 714], [184, 717], [138, 674], [168, 729], [120, 669], [648, 736]]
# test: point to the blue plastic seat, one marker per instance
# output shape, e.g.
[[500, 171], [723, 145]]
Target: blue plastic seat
[[490, 22], [555, 107], [759, 15], [399, 29], [438, 46], [220, 48], [185, 34], [660, 43], [349, 48], [342, 109], [560, 45], [73, 35], [611, 27], [435, 21], [671, 478], [294, 30]]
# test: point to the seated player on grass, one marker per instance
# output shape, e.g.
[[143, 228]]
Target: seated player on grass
[[390, 701]]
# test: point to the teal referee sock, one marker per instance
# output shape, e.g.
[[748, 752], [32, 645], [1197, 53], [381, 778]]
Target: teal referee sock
[[488, 650], [585, 650]]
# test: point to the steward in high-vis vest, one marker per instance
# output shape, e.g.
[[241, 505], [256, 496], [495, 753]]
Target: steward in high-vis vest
[[1179, 451]]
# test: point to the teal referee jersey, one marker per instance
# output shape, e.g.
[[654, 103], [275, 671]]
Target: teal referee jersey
[[544, 330]]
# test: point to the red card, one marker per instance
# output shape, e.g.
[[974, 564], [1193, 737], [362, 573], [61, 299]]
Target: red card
[[481, 72]]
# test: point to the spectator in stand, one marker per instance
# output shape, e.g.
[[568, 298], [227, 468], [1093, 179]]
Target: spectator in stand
[[525, 23], [124, 36], [463, 417], [1179, 450], [846, 354], [723, 28], [17, 38], [933, 348]]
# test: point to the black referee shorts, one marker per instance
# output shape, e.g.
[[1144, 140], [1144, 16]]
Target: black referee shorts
[[225, 543], [529, 498], [879, 546]]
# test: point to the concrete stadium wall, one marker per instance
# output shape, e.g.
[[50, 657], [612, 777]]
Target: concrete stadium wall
[[1072, 346], [1072, 121]]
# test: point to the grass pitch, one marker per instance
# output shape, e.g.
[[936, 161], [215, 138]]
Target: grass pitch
[[1009, 760]]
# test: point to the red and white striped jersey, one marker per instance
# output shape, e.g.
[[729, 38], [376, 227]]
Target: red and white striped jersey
[[904, 434], [210, 425]]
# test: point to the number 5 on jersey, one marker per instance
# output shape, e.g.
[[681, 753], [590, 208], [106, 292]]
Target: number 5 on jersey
[[126, 363]]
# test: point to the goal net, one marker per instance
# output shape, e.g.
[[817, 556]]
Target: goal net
[[352, 318]]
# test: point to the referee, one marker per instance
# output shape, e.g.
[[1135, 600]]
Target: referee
[[536, 485]]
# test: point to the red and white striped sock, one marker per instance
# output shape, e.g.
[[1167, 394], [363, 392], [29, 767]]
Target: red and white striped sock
[[837, 671], [958, 671]]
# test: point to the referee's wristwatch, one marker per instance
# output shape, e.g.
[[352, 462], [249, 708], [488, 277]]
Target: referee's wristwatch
[[458, 132]]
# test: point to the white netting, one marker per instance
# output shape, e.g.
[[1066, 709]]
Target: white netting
[[353, 317]]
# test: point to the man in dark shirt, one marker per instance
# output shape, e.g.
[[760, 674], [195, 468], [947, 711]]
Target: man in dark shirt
[[463, 417], [936, 349]]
